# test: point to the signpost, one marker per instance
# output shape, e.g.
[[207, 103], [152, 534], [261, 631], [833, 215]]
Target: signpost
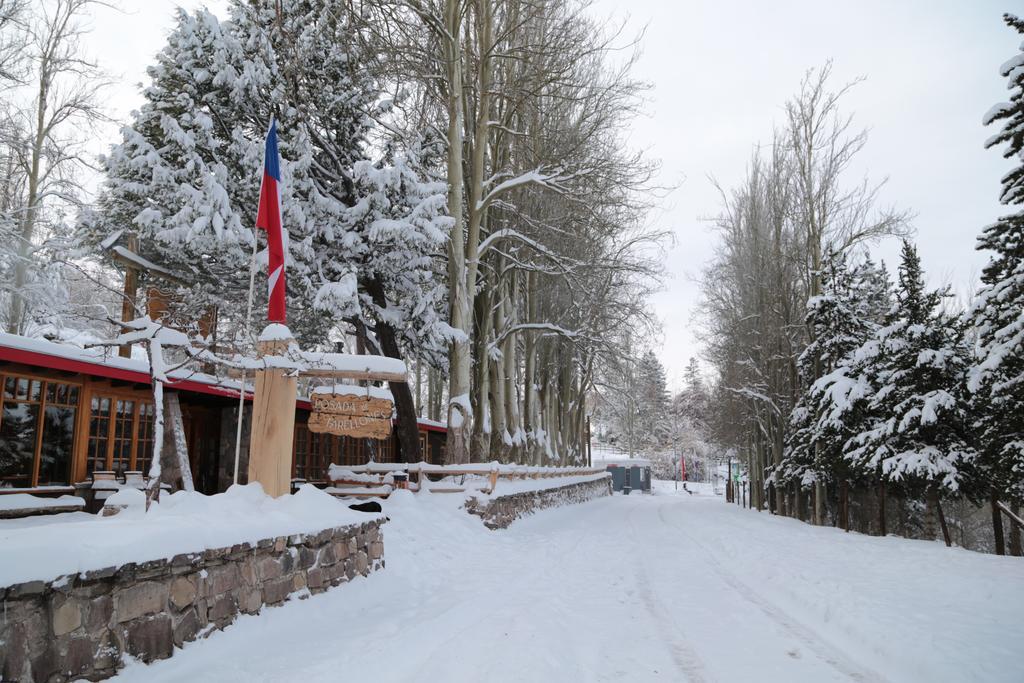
[[345, 412]]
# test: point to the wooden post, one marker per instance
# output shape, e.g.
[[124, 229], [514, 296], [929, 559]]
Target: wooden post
[[1015, 541], [273, 423], [131, 289]]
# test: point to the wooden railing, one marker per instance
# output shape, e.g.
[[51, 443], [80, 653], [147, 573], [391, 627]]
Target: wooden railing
[[378, 480]]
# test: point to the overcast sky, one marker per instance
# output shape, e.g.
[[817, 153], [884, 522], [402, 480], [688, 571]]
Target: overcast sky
[[721, 71]]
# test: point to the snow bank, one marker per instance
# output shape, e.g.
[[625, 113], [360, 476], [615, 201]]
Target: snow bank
[[181, 522], [26, 501]]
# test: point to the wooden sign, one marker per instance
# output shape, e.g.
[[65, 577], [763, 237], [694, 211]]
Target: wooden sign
[[364, 417]]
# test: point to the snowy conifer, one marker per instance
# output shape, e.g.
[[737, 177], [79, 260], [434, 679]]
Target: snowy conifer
[[652, 426], [997, 376], [364, 225], [909, 380], [843, 317]]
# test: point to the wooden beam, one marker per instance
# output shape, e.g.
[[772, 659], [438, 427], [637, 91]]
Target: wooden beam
[[359, 375]]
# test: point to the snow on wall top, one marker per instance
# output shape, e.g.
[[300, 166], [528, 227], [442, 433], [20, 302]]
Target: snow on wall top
[[623, 462], [182, 522], [107, 358]]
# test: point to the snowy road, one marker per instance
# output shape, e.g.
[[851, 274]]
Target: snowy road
[[637, 588]]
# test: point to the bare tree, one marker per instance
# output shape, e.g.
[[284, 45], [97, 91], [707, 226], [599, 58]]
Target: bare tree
[[45, 138]]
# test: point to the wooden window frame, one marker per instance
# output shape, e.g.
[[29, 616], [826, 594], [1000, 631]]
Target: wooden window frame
[[138, 399], [45, 380]]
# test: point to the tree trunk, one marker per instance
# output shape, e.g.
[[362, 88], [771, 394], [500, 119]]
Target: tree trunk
[[942, 522], [405, 407], [881, 507], [460, 299], [819, 502], [931, 514], [997, 524], [844, 504]]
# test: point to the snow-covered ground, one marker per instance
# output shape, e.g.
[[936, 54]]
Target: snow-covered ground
[[666, 587]]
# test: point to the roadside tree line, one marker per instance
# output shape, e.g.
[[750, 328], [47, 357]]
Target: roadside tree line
[[855, 399]]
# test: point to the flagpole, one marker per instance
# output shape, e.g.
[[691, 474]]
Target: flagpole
[[248, 335]]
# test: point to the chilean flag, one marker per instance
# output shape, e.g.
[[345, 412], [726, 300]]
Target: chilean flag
[[268, 218]]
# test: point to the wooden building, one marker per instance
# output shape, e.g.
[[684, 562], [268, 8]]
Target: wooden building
[[68, 412]]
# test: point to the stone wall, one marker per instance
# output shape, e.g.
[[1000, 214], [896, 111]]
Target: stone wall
[[500, 511], [80, 625]]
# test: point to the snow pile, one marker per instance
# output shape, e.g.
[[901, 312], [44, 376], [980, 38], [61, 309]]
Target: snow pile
[[182, 522], [26, 501]]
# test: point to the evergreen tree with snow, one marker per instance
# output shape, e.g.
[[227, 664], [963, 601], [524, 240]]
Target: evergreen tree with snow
[[847, 313], [652, 423], [365, 221], [996, 377], [908, 380]]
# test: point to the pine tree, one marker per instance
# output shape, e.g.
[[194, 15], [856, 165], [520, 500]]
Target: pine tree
[[843, 317], [365, 223], [364, 229], [996, 378], [652, 425], [910, 376]]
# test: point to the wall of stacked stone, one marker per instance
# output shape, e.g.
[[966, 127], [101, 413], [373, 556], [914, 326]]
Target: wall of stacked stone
[[501, 511], [81, 626]]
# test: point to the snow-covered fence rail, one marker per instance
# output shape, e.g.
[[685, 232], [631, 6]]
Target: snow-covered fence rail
[[380, 479]]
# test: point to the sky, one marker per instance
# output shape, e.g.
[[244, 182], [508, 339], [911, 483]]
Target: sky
[[721, 71]]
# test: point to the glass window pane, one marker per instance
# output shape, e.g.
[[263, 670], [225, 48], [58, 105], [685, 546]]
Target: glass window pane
[[99, 428], [18, 430], [144, 451], [72, 395], [35, 390], [58, 441], [123, 422], [22, 389], [51, 392], [9, 387]]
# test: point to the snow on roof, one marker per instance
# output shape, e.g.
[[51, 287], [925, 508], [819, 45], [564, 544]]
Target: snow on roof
[[623, 462], [103, 360], [106, 363]]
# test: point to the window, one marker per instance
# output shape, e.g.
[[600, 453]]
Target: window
[[147, 423], [384, 449], [37, 431], [99, 428], [301, 457], [120, 434], [314, 453]]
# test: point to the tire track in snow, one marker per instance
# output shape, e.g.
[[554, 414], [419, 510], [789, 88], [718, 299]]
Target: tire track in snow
[[823, 650], [686, 659], [553, 562]]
